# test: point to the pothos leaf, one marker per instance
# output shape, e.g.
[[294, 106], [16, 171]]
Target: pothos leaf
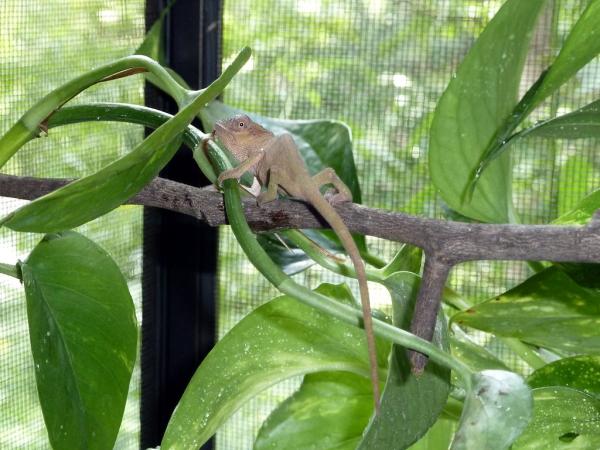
[[83, 334]]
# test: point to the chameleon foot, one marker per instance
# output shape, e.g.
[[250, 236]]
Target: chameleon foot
[[334, 197]]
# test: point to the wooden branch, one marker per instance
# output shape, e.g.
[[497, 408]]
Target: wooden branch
[[435, 274], [452, 242], [445, 243]]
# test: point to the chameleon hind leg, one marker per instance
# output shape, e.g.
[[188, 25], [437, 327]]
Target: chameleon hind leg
[[328, 176]]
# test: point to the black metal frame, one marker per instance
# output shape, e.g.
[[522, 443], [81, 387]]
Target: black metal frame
[[179, 269]]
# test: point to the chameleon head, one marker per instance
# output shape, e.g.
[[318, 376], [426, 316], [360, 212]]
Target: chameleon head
[[240, 135]]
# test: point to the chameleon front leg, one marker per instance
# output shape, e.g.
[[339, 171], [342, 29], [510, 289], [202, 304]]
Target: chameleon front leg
[[277, 177], [238, 171], [328, 176]]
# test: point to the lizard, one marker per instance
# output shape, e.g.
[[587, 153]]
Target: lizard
[[277, 165]]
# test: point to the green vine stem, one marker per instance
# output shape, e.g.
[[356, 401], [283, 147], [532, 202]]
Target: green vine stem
[[30, 124], [135, 114], [328, 262], [371, 259], [525, 352], [10, 270], [285, 284]]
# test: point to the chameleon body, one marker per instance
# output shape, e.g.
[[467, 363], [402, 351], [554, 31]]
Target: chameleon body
[[276, 163]]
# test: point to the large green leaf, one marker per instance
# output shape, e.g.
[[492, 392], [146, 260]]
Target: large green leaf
[[329, 411], [497, 409], [564, 419], [583, 123], [92, 196], [578, 372], [83, 335], [580, 47], [476, 103], [549, 309], [584, 274], [473, 355], [322, 143], [332, 410], [410, 405], [279, 340]]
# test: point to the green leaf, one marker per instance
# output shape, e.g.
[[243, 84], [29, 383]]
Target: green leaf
[[549, 309], [409, 405], [336, 419], [83, 335], [582, 213], [580, 47], [476, 103], [577, 178], [322, 144], [497, 409], [279, 340], [584, 274], [564, 418], [473, 355], [438, 436], [291, 259], [578, 372], [408, 259], [90, 197], [330, 410], [583, 123]]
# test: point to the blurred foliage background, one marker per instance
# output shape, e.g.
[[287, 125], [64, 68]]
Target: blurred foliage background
[[378, 65]]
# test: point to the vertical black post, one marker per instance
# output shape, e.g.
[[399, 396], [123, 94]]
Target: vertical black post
[[179, 271]]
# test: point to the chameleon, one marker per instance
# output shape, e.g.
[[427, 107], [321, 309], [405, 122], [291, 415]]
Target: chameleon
[[277, 165]]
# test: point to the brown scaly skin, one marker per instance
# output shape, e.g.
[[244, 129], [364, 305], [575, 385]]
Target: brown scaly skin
[[276, 163]]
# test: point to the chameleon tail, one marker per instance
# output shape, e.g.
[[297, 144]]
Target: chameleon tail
[[339, 227]]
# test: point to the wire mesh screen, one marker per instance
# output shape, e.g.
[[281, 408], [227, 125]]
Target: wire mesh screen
[[42, 45], [381, 66]]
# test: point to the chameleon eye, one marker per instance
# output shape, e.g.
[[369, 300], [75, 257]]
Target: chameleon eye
[[241, 124]]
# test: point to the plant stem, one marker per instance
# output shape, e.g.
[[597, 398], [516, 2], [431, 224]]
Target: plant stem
[[141, 115], [371, 259], [29, 124], [10, 270], [317, 254], [525, 352], [285, 284]]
